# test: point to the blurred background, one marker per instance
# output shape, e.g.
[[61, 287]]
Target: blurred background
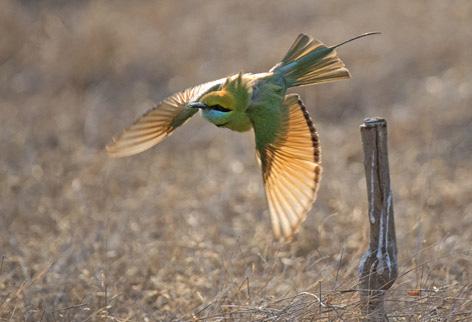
[[182, 230]]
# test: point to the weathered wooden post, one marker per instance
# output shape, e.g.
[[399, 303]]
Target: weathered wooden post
[[378, 266]]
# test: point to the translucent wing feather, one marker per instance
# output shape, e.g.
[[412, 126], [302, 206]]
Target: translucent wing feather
[[159, 122], [291, 169]]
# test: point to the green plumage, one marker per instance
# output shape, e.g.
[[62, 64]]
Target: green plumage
[[265, 110]]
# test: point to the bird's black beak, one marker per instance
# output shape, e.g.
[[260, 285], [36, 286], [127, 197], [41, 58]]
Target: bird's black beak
[[197, 105]]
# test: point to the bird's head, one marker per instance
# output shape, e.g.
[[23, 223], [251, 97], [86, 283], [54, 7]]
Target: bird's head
[[217, 107], [225, 107]]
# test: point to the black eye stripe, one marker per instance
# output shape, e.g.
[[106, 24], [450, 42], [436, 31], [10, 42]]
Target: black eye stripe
[[220, 108]]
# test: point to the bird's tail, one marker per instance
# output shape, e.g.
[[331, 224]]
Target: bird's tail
[[309, 61]]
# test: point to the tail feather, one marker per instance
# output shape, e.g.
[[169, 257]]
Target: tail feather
[[301, 46], [309, 61]]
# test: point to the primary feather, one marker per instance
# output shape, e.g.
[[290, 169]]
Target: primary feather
[[290, 167], [159, 122]]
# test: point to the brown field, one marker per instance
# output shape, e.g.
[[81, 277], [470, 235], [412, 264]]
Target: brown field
[[181, 232]]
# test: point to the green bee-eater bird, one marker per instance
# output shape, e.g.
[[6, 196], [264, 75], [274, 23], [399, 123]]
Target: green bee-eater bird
[[286, 140]]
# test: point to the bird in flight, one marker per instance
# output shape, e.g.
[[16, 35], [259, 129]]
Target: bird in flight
[[287, 143]]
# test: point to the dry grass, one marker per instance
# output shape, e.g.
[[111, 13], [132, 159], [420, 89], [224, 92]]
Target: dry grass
[[181, 232]]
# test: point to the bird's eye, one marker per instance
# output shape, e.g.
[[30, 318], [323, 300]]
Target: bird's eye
[[220, 108]]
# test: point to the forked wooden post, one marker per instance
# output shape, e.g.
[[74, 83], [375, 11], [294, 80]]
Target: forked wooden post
[[378, 266]]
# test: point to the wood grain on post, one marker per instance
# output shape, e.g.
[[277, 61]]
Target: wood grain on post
[[378, 266]]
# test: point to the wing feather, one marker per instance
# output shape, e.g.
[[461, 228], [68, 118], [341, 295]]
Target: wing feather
[[159, 122], [291, 169]]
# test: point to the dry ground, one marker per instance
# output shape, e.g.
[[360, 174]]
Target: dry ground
[[181, 232]]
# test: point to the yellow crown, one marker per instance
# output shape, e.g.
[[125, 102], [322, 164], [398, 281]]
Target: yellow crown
[[222, 97]]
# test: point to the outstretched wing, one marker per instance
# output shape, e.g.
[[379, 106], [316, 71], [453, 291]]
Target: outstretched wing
[[291, 167], [159, 122]]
